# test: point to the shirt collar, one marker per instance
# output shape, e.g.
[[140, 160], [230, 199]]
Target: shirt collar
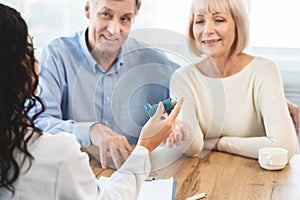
[[91, 62]]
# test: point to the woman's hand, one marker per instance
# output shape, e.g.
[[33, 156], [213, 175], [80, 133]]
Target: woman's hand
[[180, 133]]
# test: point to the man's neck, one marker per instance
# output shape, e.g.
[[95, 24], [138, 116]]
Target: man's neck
[[105, 59]]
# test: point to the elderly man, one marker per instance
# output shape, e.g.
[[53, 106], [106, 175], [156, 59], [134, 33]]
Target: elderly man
[[95, 82]]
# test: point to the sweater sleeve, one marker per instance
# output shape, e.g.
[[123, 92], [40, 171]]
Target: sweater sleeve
[[279, 129], [181, 86]]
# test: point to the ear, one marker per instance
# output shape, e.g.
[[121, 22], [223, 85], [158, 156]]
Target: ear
[[87, 9]]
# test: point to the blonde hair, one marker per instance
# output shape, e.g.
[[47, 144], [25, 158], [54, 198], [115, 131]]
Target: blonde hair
[[240, 17]]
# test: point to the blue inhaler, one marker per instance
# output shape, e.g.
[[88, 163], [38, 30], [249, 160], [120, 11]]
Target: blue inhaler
[[168, 105]]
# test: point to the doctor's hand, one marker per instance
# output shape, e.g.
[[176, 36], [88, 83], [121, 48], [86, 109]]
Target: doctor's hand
[[111, 144], [156, 130]]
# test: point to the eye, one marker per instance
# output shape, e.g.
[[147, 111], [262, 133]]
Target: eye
[[219, 20], [125, 19], [199, 21], [105, 15]]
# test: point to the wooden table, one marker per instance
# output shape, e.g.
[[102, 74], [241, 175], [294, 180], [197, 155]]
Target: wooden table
[[223, 176]]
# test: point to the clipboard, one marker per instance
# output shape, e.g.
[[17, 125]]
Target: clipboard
[[158, 189]]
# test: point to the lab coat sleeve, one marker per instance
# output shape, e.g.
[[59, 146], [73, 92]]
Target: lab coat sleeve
[[76, 180]]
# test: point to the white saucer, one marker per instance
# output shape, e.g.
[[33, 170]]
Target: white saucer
[[272, 167]]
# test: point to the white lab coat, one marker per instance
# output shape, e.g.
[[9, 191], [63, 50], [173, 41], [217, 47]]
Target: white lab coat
[[61, 171]]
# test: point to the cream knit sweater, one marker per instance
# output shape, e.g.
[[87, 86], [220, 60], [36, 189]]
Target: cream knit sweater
[[247, 110]]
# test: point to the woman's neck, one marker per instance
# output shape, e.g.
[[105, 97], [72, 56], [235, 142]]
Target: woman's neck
[[224, 66]]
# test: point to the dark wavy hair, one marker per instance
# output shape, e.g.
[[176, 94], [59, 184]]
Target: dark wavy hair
[[18, 82]]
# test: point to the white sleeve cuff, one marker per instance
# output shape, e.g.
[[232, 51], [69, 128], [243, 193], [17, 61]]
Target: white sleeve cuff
[[140, 150]]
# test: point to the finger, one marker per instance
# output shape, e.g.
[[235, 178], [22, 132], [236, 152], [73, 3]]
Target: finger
[[124, 153], [185, 132], [126, 145], [170, 144], [170, 141], [159, 112], [176, 110], [178, 136], [115, 156], [103, 153]]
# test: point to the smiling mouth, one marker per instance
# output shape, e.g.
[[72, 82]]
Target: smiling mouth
[[111, 39], [210, 41]]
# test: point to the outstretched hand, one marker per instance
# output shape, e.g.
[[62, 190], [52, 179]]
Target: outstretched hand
[[156, 130]]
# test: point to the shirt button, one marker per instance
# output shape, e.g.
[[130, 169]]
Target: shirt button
[[106, 123], [107, 99]]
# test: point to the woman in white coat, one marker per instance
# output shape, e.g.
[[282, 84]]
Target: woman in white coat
[[34, 165]]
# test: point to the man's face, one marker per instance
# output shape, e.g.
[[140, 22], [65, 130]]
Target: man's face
[[109, 23]]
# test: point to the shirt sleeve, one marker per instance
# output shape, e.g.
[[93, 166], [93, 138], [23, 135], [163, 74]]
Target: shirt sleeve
[[77, 181], [51, 90]]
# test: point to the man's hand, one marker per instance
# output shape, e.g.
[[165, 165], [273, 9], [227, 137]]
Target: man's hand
[[110, 144], [294, 112]]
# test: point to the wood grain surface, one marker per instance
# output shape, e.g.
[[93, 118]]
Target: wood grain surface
[[223, 176]]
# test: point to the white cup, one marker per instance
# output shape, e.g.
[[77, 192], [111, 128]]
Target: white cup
[[273, 158]]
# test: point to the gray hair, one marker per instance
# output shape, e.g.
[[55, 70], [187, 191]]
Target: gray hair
[[138, 4]]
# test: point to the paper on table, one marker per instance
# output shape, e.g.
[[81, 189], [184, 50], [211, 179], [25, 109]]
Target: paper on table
[[160, 189]]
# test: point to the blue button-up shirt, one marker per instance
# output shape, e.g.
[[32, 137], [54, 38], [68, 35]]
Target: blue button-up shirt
[[77, 91]]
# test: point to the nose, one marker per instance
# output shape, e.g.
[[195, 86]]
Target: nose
[[114, 27], [209, 27]]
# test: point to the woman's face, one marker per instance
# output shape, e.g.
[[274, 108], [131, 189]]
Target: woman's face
[[214, 32]]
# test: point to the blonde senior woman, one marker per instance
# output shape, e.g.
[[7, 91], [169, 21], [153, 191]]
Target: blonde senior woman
[[234, 102]]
